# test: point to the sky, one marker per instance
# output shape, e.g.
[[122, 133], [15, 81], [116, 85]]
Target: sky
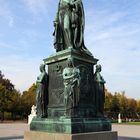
[[112, 34]]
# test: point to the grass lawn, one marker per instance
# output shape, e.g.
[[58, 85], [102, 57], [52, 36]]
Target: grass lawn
[[128, 123]]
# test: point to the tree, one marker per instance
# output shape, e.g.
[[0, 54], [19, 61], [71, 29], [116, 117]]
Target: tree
[[132, 107], [123, 103], [28, 99], [6, 93], [138, 109], [115, 107], [108, 102], [14, 105], [1, 75]]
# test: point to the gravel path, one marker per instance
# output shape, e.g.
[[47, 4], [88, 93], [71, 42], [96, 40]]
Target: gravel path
[[15, 131], [127, 130]]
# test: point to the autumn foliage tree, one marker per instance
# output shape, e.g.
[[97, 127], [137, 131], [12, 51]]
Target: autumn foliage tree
[[13, 101], [7, 96], [19, 104], [119, 103], [28, 99]]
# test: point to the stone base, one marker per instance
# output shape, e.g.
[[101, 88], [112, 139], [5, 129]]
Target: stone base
[[70, 125], [30, 118], [31, 135], [83, 101]]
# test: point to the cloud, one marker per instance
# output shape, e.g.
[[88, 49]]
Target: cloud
[[6, 13], [112, 34], [5, 46], [115, 43], [19, 47], [37, 7], [22, 71], [38, 10]]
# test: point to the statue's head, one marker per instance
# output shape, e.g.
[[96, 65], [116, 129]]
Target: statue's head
[[70, 62], [98, 68], [42, 67]]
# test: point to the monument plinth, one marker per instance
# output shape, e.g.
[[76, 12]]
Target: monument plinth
[[70, 97], [76, 116], [82, 104], [85, 136]]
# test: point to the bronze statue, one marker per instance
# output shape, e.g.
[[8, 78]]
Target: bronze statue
[[69, 26], [100, 90], [41, 97], [72, 106], [71, 76]]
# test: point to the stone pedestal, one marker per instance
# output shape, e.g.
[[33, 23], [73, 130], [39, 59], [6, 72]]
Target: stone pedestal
[[119, 118], [56, 63], [82, 117], [31, 135], [30, 118], [32, 115], [70, 125]]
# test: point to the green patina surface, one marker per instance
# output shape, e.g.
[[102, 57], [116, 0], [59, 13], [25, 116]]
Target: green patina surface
[[75, 92], [70, 125], [70, 52]]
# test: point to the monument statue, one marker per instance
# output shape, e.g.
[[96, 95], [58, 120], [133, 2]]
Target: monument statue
[[100, 90], [41, 97], [71, 77], [69, 26], [70, 98], [119, 118]]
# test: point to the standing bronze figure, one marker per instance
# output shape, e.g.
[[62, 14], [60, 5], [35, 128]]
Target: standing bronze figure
[[71, 77], [41, 97], [100, 90], [69, 26]]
